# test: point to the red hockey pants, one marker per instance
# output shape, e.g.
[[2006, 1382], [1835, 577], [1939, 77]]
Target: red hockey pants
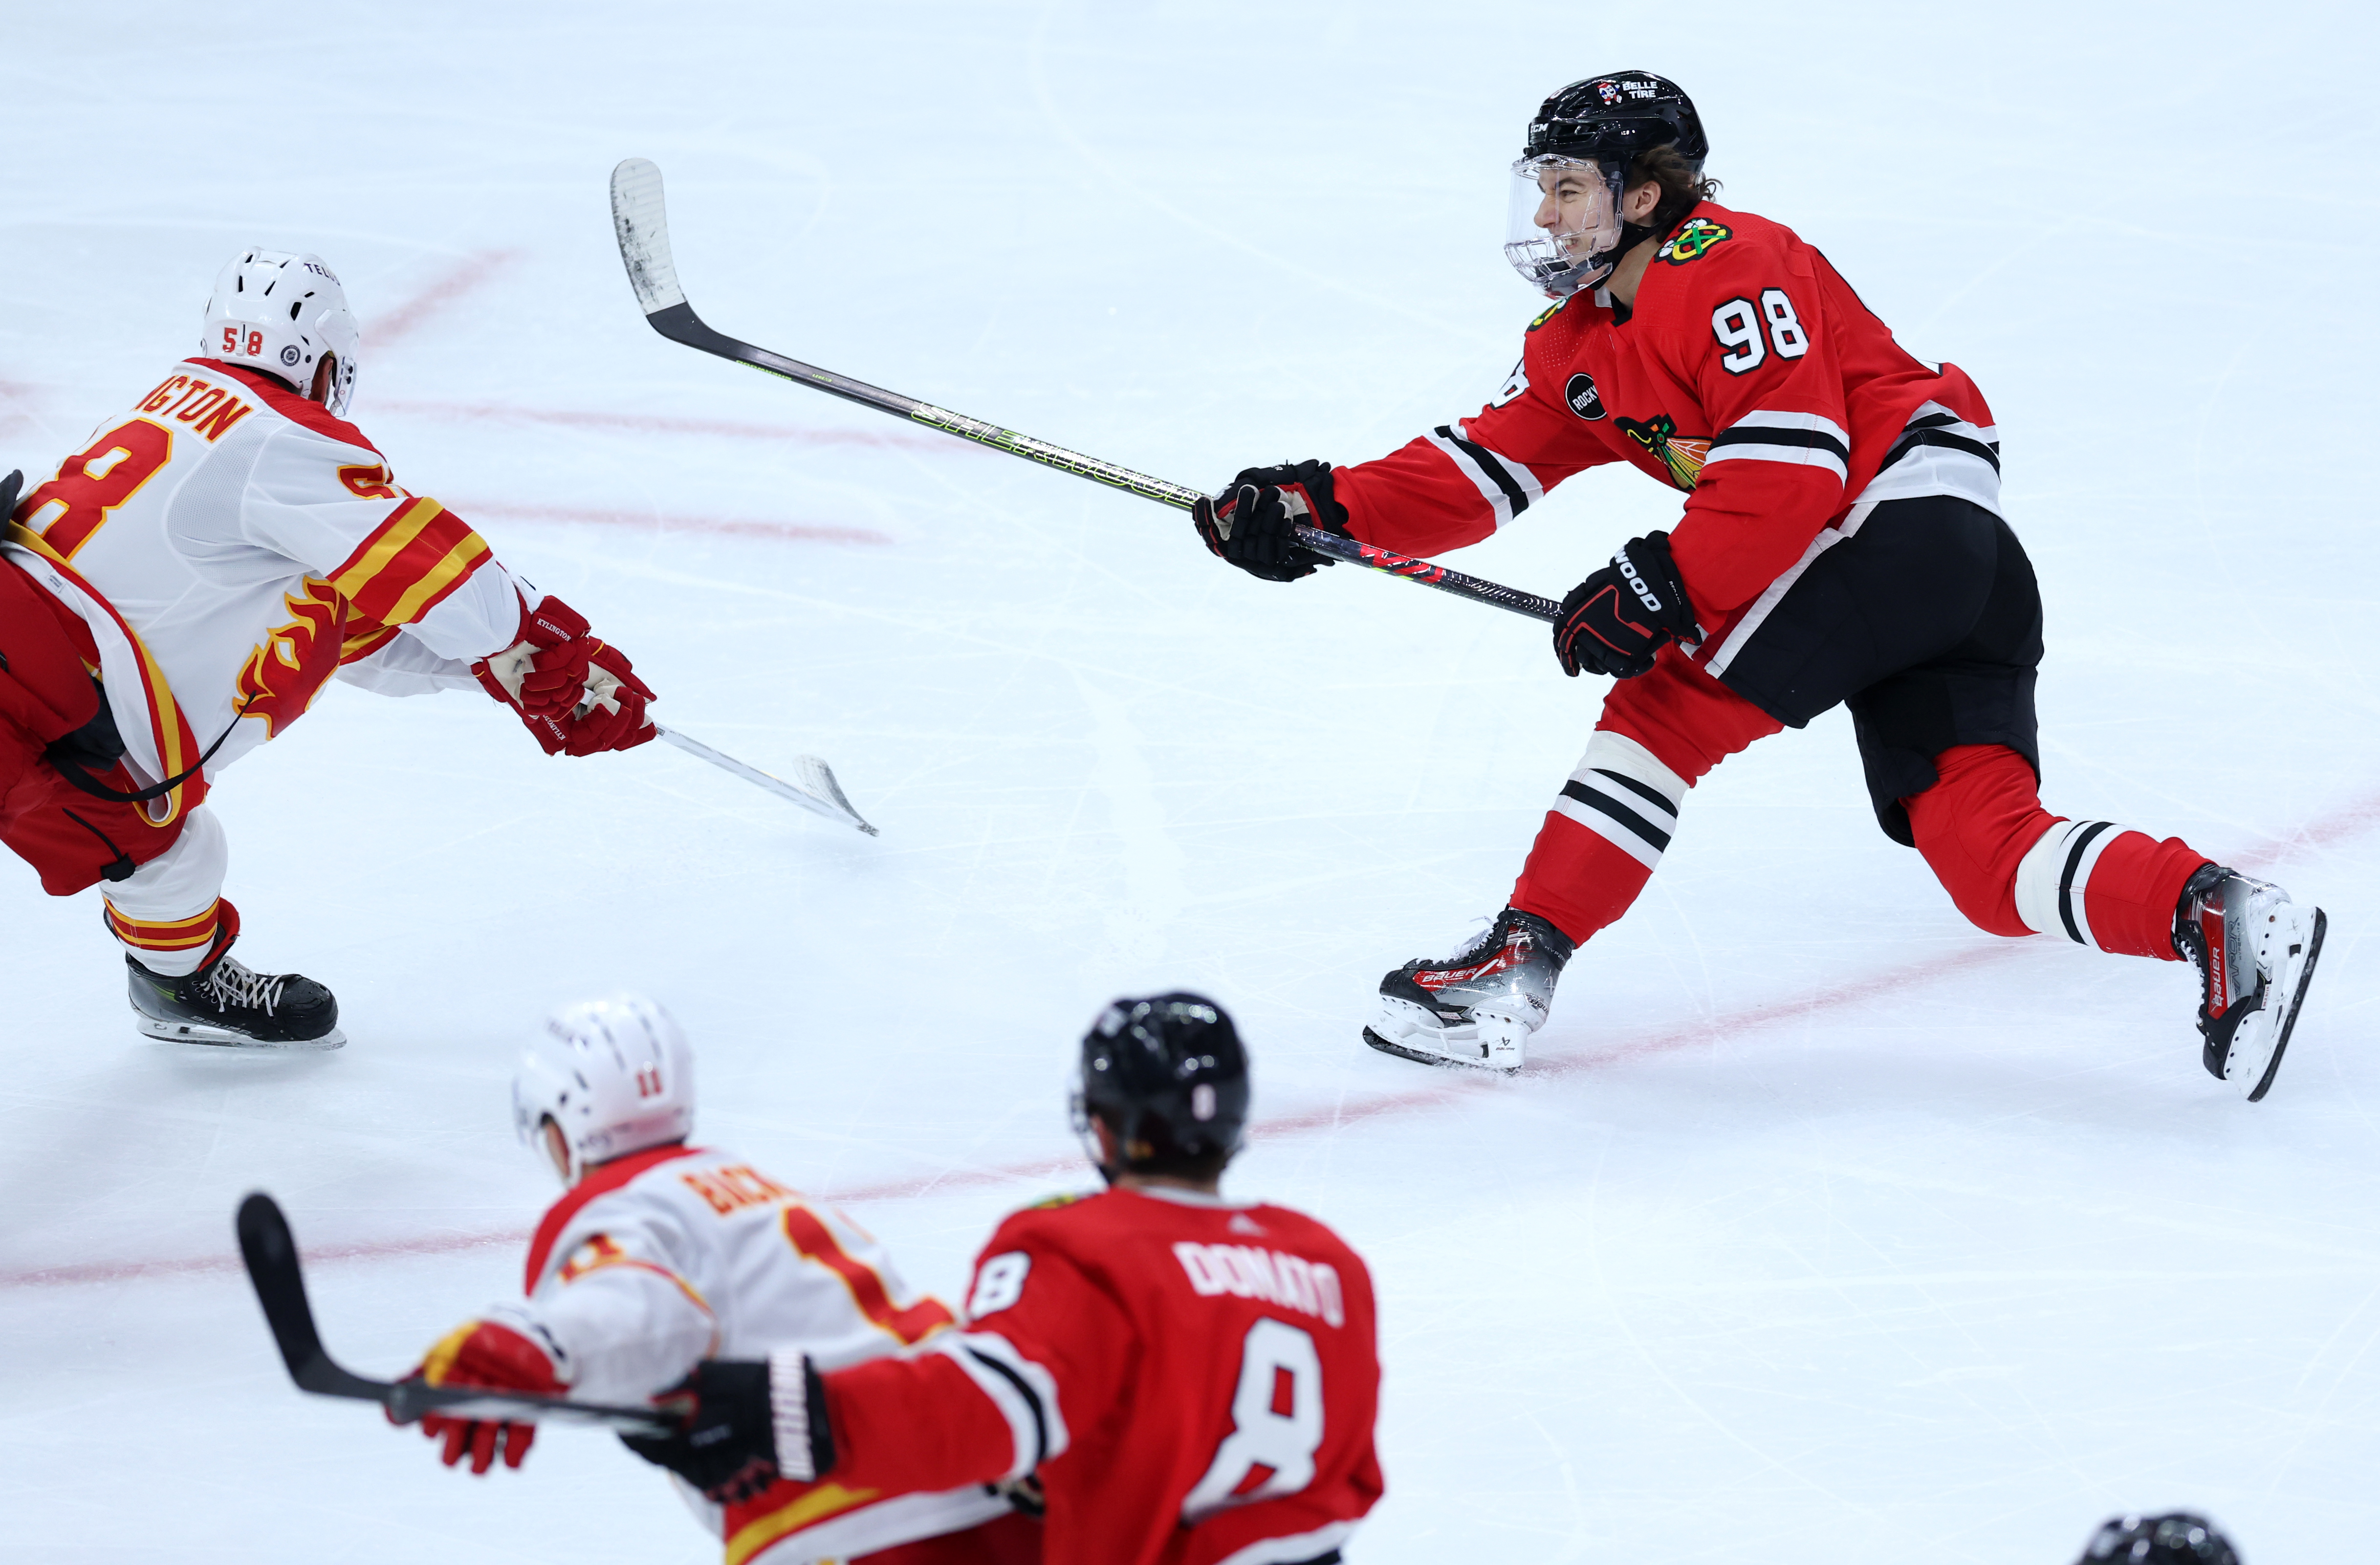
[[164, 878]]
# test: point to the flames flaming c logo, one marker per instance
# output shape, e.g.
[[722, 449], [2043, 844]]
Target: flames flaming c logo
[[286, 673]]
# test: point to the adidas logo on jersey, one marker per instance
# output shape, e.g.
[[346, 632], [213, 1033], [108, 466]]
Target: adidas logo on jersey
[[1245, 1272]]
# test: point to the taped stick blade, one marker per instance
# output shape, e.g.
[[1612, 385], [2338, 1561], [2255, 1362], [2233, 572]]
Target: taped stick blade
[[641, 223]]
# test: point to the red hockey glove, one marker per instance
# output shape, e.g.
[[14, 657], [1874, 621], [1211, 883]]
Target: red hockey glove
[[576, 694], [481, 1353], [613, 715], [1617, 619], [742, 1432], [1251, 523]]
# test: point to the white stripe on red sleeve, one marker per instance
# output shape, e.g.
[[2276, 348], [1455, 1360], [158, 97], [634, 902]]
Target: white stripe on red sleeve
[[1797, 439], [1026, 1394], [1507, 486]]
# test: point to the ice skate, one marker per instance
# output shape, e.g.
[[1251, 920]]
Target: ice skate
[[1478, 1006], [224, 1003], [2255, 951]]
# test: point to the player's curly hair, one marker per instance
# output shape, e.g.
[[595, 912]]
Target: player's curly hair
[[1681, 180]]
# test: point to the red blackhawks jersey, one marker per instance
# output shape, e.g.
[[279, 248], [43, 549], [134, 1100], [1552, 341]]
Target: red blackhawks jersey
[[1746, 373], [1194, 1381], [230, 546]]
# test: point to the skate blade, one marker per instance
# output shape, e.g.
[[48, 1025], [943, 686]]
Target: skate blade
[[224, 1037], [1417, 1032], [1471, 1059], [2292, 980]]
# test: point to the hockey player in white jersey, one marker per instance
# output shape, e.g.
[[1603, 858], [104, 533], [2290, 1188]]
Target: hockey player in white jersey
[[182, 589], [661, 1255]]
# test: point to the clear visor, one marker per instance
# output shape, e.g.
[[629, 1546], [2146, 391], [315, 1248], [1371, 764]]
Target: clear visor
[[1079, 1111], [1563, 229]]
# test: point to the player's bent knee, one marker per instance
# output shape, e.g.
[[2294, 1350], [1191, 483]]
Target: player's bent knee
[[1974, 827]]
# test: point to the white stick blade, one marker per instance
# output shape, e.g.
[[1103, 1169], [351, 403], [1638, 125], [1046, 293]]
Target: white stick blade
[[642, 224], [821, 778], [824, 796]]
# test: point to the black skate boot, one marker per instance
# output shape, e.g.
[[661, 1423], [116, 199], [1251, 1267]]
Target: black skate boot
[[1478, 1006], [2255, 951], [224, 1002]]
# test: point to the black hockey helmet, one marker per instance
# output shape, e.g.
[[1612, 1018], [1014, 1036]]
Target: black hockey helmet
[[1617, 116], [2179, 1538], [1168, 1076], [1563, 231]]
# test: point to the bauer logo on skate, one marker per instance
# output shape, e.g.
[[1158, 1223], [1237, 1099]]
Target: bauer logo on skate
[[1271, 1277], [285, 675], [1505, 956]]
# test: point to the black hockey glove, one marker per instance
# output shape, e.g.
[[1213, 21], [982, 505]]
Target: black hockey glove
[[1250, 522], [1617, 619], [729, 1446]]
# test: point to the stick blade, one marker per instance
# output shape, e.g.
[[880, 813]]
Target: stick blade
[[819, 779], [271, 1254], [641, 223]]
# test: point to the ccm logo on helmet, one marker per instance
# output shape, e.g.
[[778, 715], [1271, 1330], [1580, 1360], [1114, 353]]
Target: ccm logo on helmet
[[1643, 593]]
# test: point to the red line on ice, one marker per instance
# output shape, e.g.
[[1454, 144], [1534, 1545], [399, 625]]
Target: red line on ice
[[646, 521], [459, 279], [1444, 1087]]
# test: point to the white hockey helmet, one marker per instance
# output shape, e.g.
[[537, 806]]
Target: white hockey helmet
[[285, 314], [614, 1076]]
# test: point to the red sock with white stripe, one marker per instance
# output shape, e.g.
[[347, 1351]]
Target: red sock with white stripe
[[2098, 883], [1602, 838], [2013, 868]]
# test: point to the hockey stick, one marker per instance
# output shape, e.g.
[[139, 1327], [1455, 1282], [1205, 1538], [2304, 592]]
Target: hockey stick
[[643, 227], [823, 795], [272, 1256]]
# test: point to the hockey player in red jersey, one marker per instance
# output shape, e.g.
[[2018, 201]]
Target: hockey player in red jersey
[[1842, 540], [181, 591], [1192, 1380], [661, 1253]]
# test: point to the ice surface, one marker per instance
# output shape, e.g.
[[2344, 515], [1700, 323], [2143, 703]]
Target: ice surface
[[1828, 1229]]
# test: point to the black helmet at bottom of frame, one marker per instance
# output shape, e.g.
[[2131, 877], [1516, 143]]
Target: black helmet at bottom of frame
[[2179, 1538], [1168, 1077]]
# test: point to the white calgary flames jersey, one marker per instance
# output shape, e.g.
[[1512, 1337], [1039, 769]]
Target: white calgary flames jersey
[[657, 1260], [231, 546]]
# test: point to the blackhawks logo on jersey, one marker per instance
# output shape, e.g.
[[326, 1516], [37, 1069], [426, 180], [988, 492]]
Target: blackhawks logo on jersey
[[1694, 241], [1549, 313], [1684, 457]]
